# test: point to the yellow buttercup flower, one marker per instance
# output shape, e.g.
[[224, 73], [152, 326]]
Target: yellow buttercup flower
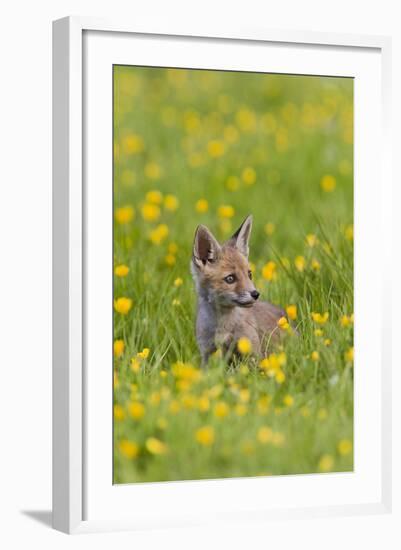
[[186, 371], [129, 449], [300, 263], [344, 447], [281, 359], [162, 423], [225, 211], [215, 391], [135, 364], [155, 398], [232, 183], [278, 439], [246, 120], [241, 409], [136, 410], [144, 354], [171, 203], [155, 446], [121, 270], [272, 366], [244, 395], [203, 403], [318, 332], [265, 435], [345, 321], [216, 148], [328, 183], [225, 226], [192, 122], [248, 175], [315, 356], [231, 134], [327, 342], [288, 400], [244, 370], [119, 413], [315, 265], [283, 323], [202, 206], [133, 144], [326, 463], [178, 282], [205, 435], [269, 271], [159, 234], [124, 214], [263, 404], [188, 400], [154, 197], [150, 212], [320, 318], [118, 347], [123, 305], [170, 259], [270, 228], [349, 355], [311, 240], [244, 346], [291, 311], [349, 232], [221, 409], [152, 171], [279, 377]]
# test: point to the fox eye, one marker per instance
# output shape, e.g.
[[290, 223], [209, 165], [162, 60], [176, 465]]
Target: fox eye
[[230, 279], [250, 274]]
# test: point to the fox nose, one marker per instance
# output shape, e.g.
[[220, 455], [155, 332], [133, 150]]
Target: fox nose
[[255, 294]]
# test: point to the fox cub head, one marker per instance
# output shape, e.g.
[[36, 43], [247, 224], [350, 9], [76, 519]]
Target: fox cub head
[[222, 272]]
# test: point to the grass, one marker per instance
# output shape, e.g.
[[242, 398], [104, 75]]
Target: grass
[[279, 147]]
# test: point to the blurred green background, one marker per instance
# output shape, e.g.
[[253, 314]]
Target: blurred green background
[[197, 146]]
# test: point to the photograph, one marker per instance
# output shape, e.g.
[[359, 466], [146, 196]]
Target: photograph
[[233, 274]]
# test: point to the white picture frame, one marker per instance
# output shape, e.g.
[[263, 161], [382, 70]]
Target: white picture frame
[[71, 418]]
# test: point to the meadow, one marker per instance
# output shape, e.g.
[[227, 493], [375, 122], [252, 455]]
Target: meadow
[[208, 147]]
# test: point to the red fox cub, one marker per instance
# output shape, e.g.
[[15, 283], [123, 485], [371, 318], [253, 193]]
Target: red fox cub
[[228, 306]]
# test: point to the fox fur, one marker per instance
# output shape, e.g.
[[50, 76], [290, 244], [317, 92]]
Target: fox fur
[[228, 307]]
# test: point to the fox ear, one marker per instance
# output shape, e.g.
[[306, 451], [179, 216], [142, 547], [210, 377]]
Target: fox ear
[[206, 248], [240, 239]]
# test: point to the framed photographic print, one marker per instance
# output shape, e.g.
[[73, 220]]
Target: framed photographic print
[[219, 349]]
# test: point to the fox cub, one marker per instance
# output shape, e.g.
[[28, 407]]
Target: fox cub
[[228, 306]]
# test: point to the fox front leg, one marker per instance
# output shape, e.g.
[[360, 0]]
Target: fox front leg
[[205, 355]]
